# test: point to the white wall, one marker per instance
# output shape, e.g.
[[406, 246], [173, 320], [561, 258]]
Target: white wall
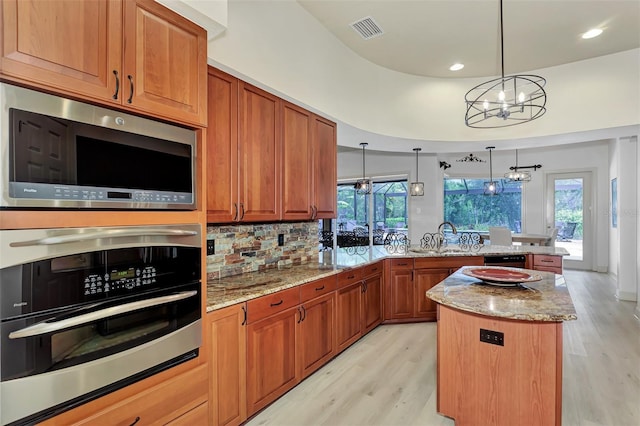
[[624, 239], [280, 45], [427, 212]]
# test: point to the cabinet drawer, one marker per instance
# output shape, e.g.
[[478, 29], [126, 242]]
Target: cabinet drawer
[[270, 304], [197, 416], [317, 288], [400, 263], [450, 262], [547, 261], [346, 278], [374, 268], [549, 269], [159, 404]]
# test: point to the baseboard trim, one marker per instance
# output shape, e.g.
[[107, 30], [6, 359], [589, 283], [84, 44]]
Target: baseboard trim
[[626, 296]]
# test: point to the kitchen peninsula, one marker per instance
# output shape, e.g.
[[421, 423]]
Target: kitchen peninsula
[[500, 349]]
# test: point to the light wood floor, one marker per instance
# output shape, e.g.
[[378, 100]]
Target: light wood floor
[[389, 376]]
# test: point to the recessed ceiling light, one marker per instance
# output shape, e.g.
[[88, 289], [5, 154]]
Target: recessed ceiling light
[[594, 32], [456, 67]]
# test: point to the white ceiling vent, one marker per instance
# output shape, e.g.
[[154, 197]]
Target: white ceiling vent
[[367, 28]]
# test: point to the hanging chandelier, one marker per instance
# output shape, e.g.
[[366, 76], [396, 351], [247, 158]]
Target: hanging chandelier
[[417, 188], [505, 101], [363, 186], [492, 187], [517, 174]]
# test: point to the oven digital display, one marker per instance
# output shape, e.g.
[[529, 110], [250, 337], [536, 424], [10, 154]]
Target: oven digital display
[[118, 275]]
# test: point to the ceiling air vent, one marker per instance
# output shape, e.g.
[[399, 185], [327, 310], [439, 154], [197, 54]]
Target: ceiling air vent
[[367, 28]]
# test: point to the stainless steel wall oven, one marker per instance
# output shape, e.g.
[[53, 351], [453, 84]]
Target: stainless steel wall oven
[[84, 312]]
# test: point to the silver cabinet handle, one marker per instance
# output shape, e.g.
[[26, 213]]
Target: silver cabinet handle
[[110, 233], [48, 327]]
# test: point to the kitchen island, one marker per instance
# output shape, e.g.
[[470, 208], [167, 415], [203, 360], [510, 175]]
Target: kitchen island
[[500, 349]]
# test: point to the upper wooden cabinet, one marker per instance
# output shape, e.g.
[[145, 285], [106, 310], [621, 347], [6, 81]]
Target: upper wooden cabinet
[[243, 161], [132, 54], [325, 177], [309, 181], [267, 159]]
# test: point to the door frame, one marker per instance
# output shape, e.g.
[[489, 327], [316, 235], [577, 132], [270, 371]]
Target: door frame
[[588, 220]]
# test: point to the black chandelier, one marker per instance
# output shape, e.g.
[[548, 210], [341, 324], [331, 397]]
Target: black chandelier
[[518, 173], [505, 101]]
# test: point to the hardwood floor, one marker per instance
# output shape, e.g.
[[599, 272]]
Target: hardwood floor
[[389, 376]]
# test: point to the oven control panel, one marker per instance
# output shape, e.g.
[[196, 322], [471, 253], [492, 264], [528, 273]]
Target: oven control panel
[[120, 280]]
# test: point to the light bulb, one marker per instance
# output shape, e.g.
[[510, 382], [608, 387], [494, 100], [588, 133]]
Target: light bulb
[[485, 104], [505, 106], [492, 187], [521, 97], [501, 96]]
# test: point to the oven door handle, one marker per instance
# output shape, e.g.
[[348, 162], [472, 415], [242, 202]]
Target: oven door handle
[[110, 233], [50, 326]]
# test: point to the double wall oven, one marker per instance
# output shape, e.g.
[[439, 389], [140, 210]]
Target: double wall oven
[[86, 311]]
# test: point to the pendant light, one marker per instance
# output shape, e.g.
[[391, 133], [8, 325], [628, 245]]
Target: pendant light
[[417, 188], [363, 186], [505, 101], [491, 187], [517, 174]]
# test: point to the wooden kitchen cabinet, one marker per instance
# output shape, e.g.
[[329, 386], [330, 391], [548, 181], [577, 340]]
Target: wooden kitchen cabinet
[[243, 151], [544, 262], [227, 365], [316, 336], [297, 163], [409, 280], [324, 176], [372, 297], [271, 347], [349, 315], [163, 403], [399, 289], [132, 54]]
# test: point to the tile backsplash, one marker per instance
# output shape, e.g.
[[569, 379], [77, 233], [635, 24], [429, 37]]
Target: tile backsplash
[[254, 247]]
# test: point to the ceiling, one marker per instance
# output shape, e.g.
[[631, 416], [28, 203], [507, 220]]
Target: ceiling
[[425, 37]]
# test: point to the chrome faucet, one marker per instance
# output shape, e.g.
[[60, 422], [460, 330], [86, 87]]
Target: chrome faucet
[[441, 233]]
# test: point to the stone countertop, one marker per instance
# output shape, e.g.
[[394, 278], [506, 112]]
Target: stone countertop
[[545, 300], [223, 292]]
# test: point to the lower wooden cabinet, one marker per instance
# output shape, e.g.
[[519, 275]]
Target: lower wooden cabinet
[[544, 262], [227, 366], [163, 403], [408, 281], [316, 343], [196, 416], [349, 315], [372, 301], [271, 358], [424, 280]]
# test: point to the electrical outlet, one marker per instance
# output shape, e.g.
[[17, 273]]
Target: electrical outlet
[[211, 247], [280, 240], [493, 337]]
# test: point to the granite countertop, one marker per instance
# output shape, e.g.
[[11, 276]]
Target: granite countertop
[[545, 300], [228, 291]]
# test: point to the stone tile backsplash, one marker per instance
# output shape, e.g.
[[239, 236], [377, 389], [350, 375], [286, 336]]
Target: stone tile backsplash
[[254, 247]]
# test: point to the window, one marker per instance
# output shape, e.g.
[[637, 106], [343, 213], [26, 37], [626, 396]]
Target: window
[[468, 208], [387, 201]]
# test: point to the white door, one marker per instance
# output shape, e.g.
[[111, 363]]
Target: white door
[[569, 208]]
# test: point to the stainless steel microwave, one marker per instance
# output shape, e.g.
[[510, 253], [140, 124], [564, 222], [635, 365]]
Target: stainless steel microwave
[[60, 153]]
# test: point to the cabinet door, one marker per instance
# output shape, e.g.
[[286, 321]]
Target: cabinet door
[[349, 315], [271, 359], [372, 302], [425, 279], [401, 303], [296, 163], [222, 147], [316, 343], [227, 365], [72, 47], [165, 63], [324, 168], [260, 145]]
